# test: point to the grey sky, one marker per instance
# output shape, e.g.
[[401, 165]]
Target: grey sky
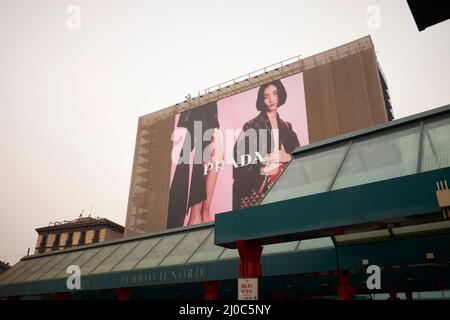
[[70, 100]]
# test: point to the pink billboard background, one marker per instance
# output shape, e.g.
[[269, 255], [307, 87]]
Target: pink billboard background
[[233, 113]]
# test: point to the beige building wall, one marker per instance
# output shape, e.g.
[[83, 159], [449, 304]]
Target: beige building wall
[[112, 234], [102, 234], [76, 237], [38, 244], [89, 236], [50, 239], [343, 96], [62, 242], [342, 91], [105, 234]]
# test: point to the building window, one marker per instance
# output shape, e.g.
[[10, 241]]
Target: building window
[[69, 240], [96, 236], [82, 238], [43, 244], [56, 242]]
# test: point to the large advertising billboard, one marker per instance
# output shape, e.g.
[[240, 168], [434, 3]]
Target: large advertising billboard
[[223, 150], [227, 154]]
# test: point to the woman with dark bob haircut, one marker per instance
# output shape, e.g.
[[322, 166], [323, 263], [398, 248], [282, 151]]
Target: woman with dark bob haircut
[[282, 95], [275, 141]]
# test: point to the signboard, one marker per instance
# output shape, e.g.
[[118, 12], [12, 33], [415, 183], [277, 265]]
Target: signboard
[[248, 289], [194, 161], [227, 154]]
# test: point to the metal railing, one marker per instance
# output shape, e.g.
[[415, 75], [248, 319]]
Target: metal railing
[[247, 76]]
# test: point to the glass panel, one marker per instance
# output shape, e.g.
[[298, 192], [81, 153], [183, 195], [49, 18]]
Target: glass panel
[[154, 257], [208, 251], [11, 271], [280, 247], [383, 156], [436, 144], [86, 255], [137, 254], [307, 174], [381, 296], [229, 254], [97, 259], [186, 248], [47, 267], [431, 295], [317, 243], [40, 264], [114, 258], [28, 265], [62, 265]]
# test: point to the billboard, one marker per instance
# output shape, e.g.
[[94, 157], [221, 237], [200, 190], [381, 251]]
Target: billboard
[[223, 150], [227, 154]]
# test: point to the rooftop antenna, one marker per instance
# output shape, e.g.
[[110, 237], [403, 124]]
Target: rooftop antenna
[[81, 214], [90, 211]]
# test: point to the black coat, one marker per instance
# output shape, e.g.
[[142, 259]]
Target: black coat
[[248, 178]]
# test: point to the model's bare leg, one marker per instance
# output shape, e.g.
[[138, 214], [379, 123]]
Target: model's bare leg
[[210, 180], [195, 217], [211, 176]]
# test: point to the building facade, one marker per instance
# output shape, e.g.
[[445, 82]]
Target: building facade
[[78, 232], [338, 91]]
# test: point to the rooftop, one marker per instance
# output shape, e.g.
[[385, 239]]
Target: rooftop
[[80, 222]]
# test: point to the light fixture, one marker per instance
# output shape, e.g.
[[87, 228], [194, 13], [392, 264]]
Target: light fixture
[[421, 228], [363, 236], [429, 255]]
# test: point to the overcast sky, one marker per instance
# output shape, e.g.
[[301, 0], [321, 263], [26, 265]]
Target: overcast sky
[[70, 97]]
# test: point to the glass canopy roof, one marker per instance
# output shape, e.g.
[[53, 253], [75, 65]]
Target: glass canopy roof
[[408, 149], [191, 246]]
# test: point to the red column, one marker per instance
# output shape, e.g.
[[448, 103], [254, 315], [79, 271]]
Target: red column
[[123, 293], [409, 295], [211, 290], [279, 296], [60, 296], [250, 255], [344, 288], [393, 295]]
